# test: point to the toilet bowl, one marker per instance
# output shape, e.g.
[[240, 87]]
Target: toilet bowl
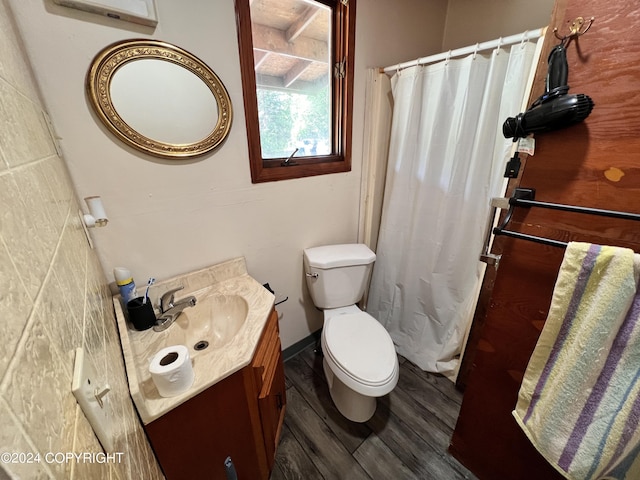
[[360, 360]]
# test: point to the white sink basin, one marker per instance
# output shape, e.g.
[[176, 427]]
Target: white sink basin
[[221, 332], [215, 319]]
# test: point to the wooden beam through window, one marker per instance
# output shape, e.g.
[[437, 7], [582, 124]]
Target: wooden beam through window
[[294, 73], [299, 26], [274, 40]]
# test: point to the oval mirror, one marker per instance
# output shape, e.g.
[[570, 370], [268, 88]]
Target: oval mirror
[[159, 98]]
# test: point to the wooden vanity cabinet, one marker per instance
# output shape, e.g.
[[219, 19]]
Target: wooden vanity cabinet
[[239, 417]]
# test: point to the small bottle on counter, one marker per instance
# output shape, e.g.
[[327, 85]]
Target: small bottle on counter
[[125, 283]]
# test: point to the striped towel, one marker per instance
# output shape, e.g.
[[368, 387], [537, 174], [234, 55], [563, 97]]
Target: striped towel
[[579, 402]]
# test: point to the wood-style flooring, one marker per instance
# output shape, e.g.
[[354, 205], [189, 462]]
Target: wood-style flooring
[[407, 438]]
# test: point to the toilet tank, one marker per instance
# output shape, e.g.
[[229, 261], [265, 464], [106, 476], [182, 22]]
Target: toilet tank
[[337, 274]]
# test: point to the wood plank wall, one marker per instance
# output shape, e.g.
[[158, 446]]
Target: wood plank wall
[[593, 164]]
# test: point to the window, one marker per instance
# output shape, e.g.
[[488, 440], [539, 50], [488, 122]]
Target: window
[[296, 58]]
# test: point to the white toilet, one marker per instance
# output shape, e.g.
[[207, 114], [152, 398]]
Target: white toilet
[[360, 360]]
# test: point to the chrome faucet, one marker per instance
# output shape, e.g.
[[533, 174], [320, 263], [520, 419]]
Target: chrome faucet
[[170, 309]]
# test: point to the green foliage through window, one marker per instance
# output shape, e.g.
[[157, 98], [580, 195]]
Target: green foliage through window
[[291, 120]]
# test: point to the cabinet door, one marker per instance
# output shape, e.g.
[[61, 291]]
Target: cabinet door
[[264, 356], [268, 371], [193, 440], [272, 402]]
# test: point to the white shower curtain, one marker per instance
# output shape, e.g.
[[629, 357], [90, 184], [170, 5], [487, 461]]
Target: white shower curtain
[[447, 158]]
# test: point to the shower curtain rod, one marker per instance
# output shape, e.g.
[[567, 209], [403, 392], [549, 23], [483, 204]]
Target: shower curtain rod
[[478, 47]]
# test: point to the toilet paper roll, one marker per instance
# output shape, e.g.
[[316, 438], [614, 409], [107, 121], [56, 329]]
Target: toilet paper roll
[[171, 370]]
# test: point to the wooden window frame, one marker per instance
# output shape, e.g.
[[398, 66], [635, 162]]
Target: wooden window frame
[[268, 170]]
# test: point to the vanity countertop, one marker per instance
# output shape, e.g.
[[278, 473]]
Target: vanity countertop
[[228, 279]]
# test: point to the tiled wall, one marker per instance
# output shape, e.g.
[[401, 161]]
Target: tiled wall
[[53, 299]]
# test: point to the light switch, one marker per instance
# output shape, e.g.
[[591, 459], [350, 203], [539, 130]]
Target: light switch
[[91, 392]]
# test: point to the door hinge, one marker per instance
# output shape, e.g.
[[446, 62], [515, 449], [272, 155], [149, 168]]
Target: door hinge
[[339, 69]]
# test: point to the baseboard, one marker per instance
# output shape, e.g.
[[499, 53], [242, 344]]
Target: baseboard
[[300, 345]]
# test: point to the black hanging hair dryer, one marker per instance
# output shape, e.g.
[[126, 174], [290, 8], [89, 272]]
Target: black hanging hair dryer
[[555, 108]]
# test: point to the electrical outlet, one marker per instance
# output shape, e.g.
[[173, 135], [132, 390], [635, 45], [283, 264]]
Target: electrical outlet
[[90, 392]]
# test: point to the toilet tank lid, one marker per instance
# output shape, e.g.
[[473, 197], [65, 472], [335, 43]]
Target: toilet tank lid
[[332, 256]]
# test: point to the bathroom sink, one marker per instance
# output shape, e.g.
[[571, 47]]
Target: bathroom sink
[[215, 319], [221, 332]]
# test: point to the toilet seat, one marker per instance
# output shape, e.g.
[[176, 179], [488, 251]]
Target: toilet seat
[[362, 351]]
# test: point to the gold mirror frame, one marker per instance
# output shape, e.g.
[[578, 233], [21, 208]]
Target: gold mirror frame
[[98, 83]]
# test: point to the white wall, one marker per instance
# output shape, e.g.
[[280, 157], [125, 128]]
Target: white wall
[[473, 21], [170, 217]]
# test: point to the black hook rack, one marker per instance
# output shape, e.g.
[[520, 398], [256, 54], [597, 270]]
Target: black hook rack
[[525, 197]]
